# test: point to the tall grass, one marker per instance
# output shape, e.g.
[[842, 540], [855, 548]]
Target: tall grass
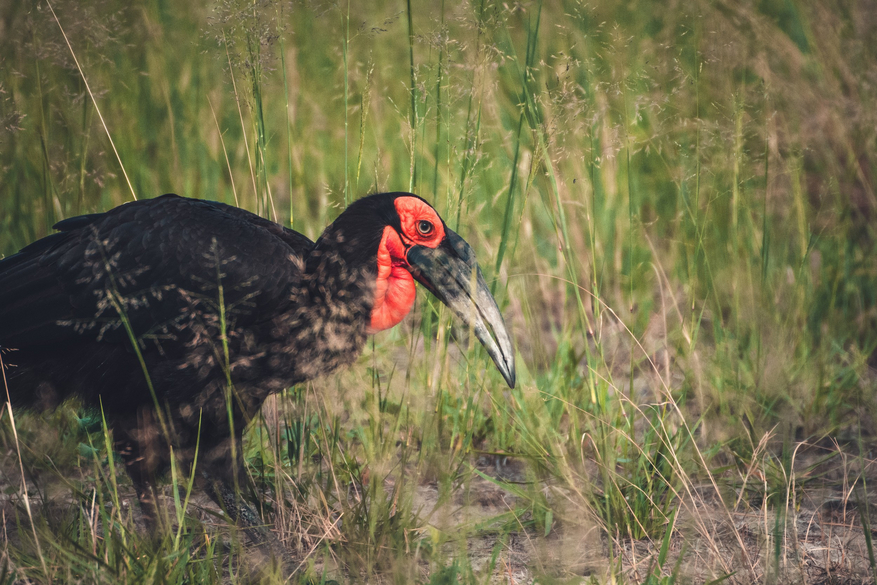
[[673, 205]]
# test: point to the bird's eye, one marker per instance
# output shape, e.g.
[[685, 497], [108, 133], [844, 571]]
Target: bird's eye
[[424, 227]]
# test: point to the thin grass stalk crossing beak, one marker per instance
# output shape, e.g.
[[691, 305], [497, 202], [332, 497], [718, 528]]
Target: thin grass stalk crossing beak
[[451, 273]]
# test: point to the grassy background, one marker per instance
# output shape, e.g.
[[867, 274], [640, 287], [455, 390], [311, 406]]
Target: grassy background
[[674, 203]]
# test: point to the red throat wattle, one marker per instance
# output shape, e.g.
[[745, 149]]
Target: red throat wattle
[[394, 286]]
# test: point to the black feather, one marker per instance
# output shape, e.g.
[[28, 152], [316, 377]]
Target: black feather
[[198, 292]]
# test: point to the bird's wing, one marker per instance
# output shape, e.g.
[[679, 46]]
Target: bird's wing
[[148, 268]]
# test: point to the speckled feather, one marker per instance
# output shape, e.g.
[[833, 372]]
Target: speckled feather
[[293, 309]]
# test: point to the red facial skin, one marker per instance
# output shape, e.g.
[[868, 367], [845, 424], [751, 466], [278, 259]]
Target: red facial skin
[[394, 287]]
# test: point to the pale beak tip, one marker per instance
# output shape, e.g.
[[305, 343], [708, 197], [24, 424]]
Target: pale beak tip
[[509, 372]]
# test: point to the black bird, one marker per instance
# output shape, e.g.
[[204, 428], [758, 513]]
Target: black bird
[[175, 314]]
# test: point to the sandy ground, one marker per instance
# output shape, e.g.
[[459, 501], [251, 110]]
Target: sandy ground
[[820, 539]]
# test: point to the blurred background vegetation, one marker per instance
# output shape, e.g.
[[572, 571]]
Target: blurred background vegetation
[[674, 203]]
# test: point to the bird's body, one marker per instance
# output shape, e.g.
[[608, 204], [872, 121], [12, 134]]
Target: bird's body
[[160, 265], [178, 317]]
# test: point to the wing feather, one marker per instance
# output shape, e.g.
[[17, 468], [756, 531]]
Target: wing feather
[[158, 263]]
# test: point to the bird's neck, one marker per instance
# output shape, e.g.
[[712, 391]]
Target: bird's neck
[[330, 309], [353, 285], [357, 266], [339, 287]]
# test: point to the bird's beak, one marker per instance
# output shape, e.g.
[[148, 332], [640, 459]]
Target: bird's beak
[[451, 273]]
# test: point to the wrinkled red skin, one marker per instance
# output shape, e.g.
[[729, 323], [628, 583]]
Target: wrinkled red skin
[[394, 286]]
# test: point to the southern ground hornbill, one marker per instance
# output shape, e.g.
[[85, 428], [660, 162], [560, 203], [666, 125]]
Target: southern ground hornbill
[[175, 314]]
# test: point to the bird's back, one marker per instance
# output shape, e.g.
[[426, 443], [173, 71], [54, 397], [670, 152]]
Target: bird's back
[[187, 279]]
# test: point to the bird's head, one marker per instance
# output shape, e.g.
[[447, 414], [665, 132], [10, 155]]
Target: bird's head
[[403, 237]]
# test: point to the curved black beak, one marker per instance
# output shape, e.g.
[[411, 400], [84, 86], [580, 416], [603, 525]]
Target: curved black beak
[[451, 273]]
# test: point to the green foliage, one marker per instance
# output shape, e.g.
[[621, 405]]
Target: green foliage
[[673, 204]]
